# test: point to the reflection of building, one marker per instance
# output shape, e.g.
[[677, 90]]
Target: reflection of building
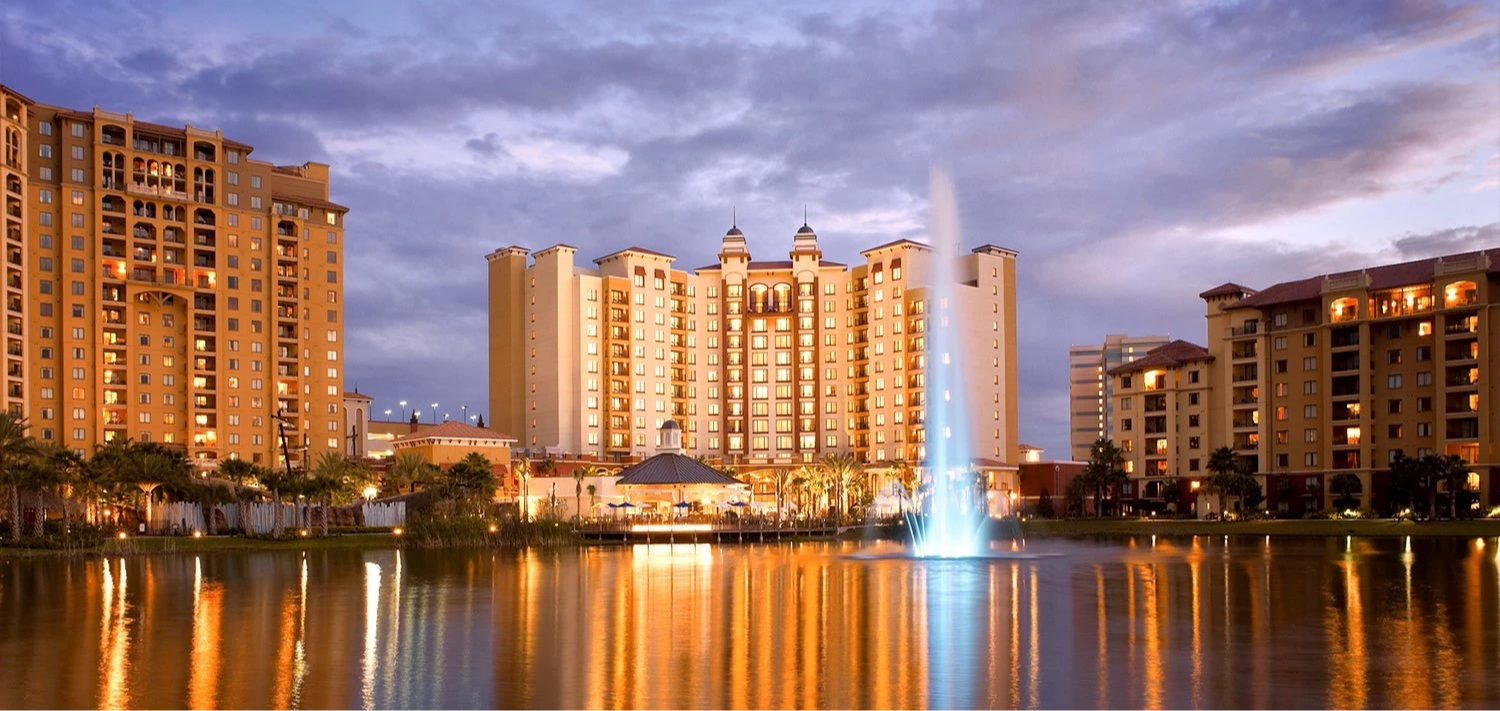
[[762, 362], [1090, 412], [162, 285], [1333, 374]]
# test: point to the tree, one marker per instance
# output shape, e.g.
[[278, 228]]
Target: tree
[[54, 466], [593, 497], [241, 473], [407, 470], [579, 473], [1315, 493], [210, 494], [1345, 485], [334, 474], [1453, 470], [842, 469], [1284, 491], [16, 451], [782, 477], [1044, 504], [1105, 471], [471, 479], [1078, 489], [1405, 481], [279, 482], [1171, 492], [1224, 466]]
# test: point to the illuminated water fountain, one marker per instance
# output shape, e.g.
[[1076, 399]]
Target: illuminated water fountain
[[952, 520]]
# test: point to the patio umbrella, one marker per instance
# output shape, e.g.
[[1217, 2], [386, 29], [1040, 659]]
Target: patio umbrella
[[738, 503], [682, 504]]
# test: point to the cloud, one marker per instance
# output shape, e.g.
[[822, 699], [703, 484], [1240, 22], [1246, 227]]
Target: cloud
[[1134, 154]]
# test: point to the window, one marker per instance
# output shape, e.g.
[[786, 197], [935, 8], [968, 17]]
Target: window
[[1279, 343], [1394, 406], [1309, 387], [1393, 381], [1309, 340], [1280, 365], [1424, 404], [1192, 376], [45, 128], [1310, 435], [1393, 356], [1424, 378], [1424, 429], [1310, 459], [1193, 398], [1194, 442], [1310, 363], [1310, 412], [1424, 353]]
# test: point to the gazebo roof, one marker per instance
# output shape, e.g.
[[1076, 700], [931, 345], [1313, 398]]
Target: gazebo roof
[[668, 469]]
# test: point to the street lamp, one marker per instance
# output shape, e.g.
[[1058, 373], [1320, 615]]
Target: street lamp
[[466, 413], [387, 414], [434, 413], [403, 409]]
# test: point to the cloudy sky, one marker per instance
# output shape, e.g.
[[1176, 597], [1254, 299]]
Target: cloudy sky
[[1135, 154]]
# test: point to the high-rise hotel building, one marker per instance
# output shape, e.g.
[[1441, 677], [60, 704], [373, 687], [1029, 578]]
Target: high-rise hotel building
[[162, 285], [1090, 391], [759, 361]]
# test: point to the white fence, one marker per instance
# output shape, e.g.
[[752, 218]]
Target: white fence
[[187, 516], [387, 514]]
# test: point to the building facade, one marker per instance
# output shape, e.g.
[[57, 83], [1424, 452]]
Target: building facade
[[1336, 374], [1161, 414], [171, 288], [761, 362], [1089, 396]]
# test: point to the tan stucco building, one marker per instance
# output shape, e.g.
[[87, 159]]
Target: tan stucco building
[[162, 285], [1333, 374], [762, 362]]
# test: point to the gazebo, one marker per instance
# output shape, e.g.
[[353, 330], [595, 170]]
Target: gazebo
[[674, 479]]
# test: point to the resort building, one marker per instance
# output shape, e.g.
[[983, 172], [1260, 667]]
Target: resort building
[[760, 362], [1331, 374], [1161, 416], [163, 285], [1090, 412]]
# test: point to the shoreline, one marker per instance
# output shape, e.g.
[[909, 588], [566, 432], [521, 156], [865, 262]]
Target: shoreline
[[1033, 528]]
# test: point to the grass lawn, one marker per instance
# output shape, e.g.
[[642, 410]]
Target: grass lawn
[[1050, 528]]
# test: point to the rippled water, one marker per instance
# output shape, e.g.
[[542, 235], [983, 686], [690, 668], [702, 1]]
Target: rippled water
[[1191, 622]]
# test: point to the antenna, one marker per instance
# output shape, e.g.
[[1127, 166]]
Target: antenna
[[804, 214], [734, 216]]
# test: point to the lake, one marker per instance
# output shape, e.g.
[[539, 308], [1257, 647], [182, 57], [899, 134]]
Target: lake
[[1203, 621]]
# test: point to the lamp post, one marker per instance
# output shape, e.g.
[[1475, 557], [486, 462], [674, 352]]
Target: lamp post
[[434, 413], [403, 410], [388, 414], [466, 414]]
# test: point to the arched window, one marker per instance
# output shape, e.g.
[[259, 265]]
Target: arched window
[[783, 297], [758, 294], [1460, 293], [1346, 309]]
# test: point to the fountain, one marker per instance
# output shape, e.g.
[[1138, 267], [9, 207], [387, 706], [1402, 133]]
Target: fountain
[[951, 523]]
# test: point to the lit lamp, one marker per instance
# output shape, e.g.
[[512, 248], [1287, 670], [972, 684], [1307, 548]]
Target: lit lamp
[[370, 493]]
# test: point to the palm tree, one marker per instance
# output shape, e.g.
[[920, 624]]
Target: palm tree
[[241, 473], [908, 478], [210, 494], [407, 470], [1224, 466], [334, 473], [842, 469], [279, 482], [782, 476], [1345, 485], [16, 450], [1105, 470], [578, 474], [1452, 469], [593, 497], [54, 465], [522, 469], [471, 478]]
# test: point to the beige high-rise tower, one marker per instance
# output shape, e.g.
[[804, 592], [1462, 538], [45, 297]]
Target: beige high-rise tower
[[171, 288], [760, 362]]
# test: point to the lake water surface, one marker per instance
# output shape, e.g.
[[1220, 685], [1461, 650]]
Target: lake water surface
[[1127, 623]]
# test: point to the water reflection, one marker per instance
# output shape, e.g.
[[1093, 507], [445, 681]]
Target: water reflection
[[1200, 622]]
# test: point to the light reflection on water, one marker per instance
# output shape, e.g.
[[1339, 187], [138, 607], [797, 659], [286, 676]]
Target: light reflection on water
[[1162, 623]]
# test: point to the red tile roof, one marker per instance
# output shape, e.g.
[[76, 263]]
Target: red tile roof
[[1226, 289], [1172, 355], [453, 429], [1387, 276]]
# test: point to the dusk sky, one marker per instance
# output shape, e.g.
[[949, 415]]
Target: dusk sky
[[1134, 154]]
